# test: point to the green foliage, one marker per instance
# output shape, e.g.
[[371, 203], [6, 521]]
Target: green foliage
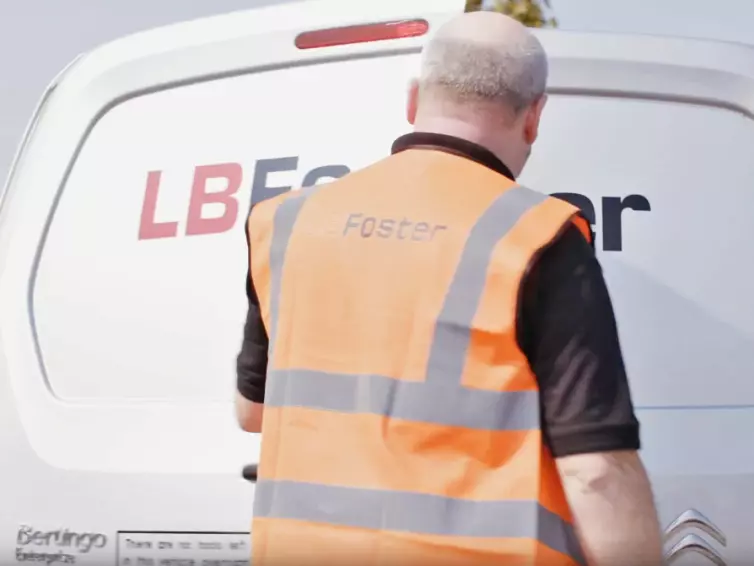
[[531, 13]]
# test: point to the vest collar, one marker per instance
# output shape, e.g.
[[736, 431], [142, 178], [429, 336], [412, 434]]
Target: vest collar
[[454, 145]]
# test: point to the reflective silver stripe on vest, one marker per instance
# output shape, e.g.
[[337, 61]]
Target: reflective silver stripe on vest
[[415, 513], [410, 400], [453, 330], [282, 228]]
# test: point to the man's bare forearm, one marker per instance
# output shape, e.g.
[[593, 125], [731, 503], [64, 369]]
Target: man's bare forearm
[[613, 508], [249, 414]]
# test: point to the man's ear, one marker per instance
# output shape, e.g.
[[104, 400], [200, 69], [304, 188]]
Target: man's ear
[[533, 117], [412, 102]]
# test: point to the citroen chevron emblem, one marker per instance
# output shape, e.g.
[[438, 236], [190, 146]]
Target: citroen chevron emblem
[[693, 543]]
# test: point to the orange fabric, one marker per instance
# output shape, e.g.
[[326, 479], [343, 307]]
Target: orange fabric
[[495, 360], [583, 227], [299, 542], [353, 335], [408, 456], [260, 237], [374, 310]]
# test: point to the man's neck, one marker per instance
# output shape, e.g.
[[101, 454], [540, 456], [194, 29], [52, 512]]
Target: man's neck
[[469, 132]]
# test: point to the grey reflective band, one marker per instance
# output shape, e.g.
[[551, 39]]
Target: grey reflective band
[[416, 513], [282, 228], [410, 400], [453, 330]]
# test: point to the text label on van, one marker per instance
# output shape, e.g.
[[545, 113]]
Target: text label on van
[[230, 176], [60, 546]]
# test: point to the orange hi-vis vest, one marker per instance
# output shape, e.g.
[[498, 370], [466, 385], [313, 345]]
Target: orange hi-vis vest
[[402, 421]]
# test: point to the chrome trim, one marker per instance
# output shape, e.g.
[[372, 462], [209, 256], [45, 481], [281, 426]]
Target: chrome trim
[[696, 519], [693, 544]]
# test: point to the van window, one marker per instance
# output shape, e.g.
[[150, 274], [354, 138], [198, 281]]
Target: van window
[[140, 287]]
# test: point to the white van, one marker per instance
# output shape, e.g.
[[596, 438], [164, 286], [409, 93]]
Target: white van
[[122, 262]]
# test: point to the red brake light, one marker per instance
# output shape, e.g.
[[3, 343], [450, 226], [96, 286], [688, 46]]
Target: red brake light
[[361, 33]]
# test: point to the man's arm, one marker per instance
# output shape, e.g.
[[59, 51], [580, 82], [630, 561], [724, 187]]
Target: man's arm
[[569, 334], [251, 365], [612, 505], [249, 414]]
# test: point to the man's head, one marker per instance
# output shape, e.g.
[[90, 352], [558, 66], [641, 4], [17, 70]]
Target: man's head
[[483, 78]]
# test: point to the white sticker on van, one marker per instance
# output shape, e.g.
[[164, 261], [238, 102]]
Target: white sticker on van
[[159, 548]]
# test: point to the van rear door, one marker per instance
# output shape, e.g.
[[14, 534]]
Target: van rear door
[[124, 259]]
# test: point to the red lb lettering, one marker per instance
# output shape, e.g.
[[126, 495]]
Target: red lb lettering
[[196, 223], [149, 228]]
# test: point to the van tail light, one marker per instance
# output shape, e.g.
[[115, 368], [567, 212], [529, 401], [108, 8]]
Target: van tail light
[[361, 33]]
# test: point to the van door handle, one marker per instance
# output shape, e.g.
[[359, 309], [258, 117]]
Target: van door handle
[[249, 472]]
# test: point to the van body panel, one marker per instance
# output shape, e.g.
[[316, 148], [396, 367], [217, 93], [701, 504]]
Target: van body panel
[[121, 274], [101, 82]]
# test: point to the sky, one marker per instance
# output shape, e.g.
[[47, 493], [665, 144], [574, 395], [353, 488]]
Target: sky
[[727, 20], [38, 37]]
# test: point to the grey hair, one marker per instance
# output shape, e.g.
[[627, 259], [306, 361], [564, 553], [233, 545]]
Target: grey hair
[[513, 74]]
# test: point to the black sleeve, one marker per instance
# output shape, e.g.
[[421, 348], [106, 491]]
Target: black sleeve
[[568, 332], [251, 364]]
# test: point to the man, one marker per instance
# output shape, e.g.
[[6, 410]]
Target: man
[[445, 383]]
